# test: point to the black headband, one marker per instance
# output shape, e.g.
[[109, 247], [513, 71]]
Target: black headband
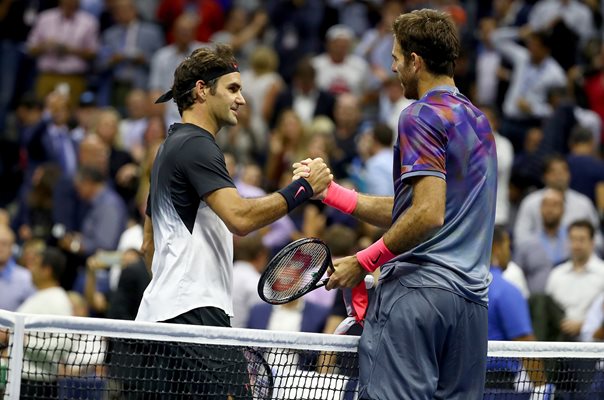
[[209, 75]]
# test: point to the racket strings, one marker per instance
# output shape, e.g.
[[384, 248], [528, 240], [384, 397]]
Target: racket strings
[[295, 271]]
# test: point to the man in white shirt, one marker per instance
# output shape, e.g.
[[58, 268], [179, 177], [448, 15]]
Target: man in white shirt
[[534, 73], [43, 355], [576, 284], [338, 71], [50, 298]]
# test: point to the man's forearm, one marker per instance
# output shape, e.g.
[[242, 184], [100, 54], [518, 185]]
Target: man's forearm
[[415, 226], [374, 210], [244, 215]]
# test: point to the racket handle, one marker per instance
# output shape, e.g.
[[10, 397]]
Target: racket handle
[[322, 283]]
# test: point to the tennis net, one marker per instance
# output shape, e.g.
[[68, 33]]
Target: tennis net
[[48, 357]]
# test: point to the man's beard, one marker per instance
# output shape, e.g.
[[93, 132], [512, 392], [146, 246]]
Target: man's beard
[[410, 84]]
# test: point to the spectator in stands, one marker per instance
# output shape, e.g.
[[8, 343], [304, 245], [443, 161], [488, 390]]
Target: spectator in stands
[[264, 85], [392, 102], [34, 215], [122, 301], [107, 129], [488, 63], [31, 252], [133, 281], [303, 96], [567, 114], [132, 128], [509, 316], [377, 173], [348, 118], [534, 72], [592, 329], [85, 116], [208, 12], [296, 316], [573, 13], [15, 281], [538, 252], [68, 209], [13, 32], [166, 59], [376, 44], [576, 283], [285, 145], [242, 31], [576, 205], [52, 139], [297, 31], [44, 354], [64, 40], [505, 157], [105, 220], [125, 56], [339, 71], [250, 260], [50, 298], [586, 170]]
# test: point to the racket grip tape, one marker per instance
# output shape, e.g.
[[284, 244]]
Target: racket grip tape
[[341, 198], [375, 256], [296, 193]]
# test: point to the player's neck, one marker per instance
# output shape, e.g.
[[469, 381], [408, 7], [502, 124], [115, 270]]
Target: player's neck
[[202, 119], [429, 82]]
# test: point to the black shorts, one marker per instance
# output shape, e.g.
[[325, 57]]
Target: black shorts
[[202, 371]]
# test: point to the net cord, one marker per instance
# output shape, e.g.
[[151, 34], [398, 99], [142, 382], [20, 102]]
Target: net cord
[[180, 333]]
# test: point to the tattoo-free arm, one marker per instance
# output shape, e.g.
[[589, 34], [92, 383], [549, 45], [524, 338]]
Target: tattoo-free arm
[[375, 210], [148, 247], [243, 215], [422, 219]]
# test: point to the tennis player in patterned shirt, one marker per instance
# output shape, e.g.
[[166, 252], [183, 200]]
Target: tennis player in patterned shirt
[[425, 331]]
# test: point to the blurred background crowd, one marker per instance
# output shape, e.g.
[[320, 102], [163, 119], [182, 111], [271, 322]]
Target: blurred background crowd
[[79, 132]]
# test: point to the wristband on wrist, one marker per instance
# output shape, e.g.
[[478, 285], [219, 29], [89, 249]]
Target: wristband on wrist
[[341, 198], [296, 193], [375, 256]]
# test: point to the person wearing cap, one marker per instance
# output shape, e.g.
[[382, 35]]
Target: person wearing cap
[[193, 209]]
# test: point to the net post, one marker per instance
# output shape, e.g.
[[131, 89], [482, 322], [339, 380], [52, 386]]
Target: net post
[[15, 364]]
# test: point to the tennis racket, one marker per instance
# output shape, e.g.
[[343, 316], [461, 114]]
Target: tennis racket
[[296, 270], [260, 374]]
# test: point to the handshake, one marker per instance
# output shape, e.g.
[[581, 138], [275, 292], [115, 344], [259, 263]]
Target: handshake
[[317, 174]]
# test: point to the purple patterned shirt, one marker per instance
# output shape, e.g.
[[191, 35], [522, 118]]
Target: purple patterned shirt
[[444, 135]]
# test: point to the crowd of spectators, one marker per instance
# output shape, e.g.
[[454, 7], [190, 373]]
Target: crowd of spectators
[[79, 131]]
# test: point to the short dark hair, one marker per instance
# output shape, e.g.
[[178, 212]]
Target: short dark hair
[[552, 159], [499, 233], [56, 260], [430, 34], [194, 67], [382, 134], [583, 223]]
